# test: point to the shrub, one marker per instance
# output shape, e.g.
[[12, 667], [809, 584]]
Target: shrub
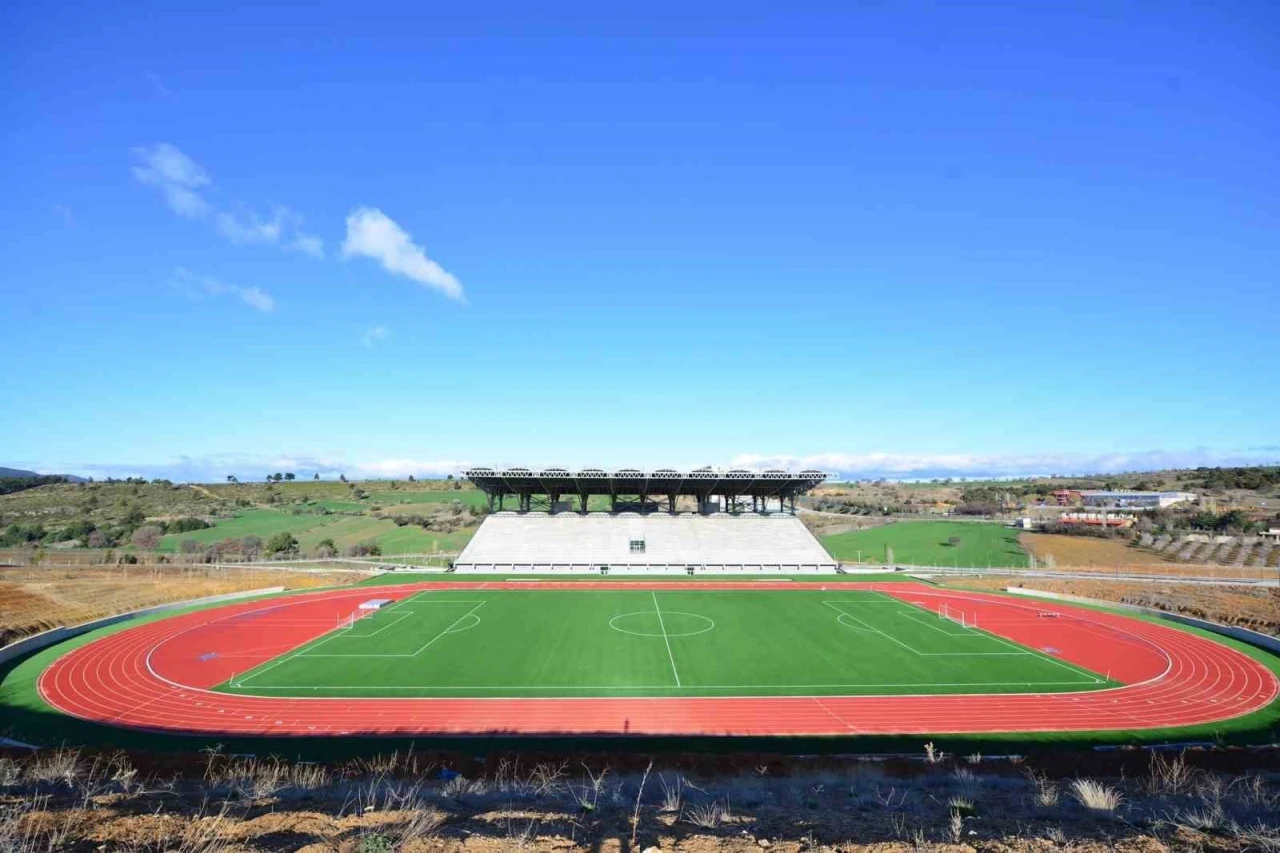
[[283, 542]]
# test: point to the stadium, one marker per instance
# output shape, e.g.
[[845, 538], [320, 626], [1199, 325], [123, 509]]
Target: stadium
[[649, 604]]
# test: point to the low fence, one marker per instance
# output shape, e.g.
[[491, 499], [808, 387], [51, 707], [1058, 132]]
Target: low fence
[[56, 635], [1244, 635]]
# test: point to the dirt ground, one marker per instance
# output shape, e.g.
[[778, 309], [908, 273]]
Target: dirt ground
[[1257, 608], [37, 599]]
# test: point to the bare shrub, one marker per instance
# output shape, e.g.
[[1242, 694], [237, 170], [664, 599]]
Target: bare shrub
[[1170, 776], [672, 794], [709, 815], [1047, 793]]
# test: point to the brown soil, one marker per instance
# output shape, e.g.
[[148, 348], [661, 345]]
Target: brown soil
[[37, 599], [1249, 607]]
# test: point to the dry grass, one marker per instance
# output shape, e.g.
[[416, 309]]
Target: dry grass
[[1086, 551], [1096, 796], [1248, 607], [37, 599], [66, 800]]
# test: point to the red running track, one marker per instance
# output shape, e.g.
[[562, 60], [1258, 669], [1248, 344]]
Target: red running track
[[155, 677]]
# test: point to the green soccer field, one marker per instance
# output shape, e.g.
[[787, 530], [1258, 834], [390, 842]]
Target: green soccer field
[[503, 643]]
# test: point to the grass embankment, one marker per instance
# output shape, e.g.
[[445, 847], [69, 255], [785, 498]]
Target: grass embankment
[[931, 543]]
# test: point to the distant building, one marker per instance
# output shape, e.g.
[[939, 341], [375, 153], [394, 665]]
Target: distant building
[[1097, 519], [1134, 500], [1273, 535]]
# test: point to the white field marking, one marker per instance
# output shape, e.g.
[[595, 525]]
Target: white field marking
[[670, 656], [860, 628], [487, 687], [318, 641], [448, 630], [1077, 613], [1018, 652], [708, 619], [346, 632], [964, 633], [1027, 650]]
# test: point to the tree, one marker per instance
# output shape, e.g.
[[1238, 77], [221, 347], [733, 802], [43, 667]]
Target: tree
[[146, 537], [317, 476], [251, 546], [342, 478], [283, 543], [231, 478], [289, 476], [410, 478], [326, 548], [277, 476]]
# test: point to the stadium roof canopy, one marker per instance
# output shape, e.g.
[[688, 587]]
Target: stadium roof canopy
[[701, 483]]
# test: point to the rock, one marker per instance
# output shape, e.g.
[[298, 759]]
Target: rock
[[763, 842]]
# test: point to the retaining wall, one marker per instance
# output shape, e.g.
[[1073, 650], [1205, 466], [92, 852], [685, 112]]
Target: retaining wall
[[56, 635]]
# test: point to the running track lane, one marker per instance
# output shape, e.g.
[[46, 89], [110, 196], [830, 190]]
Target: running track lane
[[1172, 678]]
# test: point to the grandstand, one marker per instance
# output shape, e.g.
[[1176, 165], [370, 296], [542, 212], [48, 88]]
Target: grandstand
[[648, 536]]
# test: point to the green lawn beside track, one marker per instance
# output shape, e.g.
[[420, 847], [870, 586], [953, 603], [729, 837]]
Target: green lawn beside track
[[928, 543]]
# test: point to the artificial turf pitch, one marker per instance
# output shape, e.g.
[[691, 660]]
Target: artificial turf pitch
[[545, 643]]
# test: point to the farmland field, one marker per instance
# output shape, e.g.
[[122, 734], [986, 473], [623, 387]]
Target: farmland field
[[928, 543], [1086, 550], [263, 523]]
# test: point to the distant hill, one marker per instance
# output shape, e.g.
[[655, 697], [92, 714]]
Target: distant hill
[[17, 472]]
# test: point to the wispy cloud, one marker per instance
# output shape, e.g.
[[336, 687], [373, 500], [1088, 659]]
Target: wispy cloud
[[249, 466], [373, 234], [374, 335], [65, 212], [912, 466], [200, 286], [249, 228], [176, 175], [284, 228], [159, 87], [181, 180]]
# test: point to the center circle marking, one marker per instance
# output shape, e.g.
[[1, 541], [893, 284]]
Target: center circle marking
[[658, 632]]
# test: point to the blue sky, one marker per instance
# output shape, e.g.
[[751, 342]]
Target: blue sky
[[884, 238]]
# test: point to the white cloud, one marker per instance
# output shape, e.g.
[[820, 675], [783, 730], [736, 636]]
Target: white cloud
[[255, 466], [284, 227], [200, 286], [258, 298], [912, 466], [179, 178], [176, 175], [65, 212], [373, 234], [250, 229], [308, 244], [371, 337]]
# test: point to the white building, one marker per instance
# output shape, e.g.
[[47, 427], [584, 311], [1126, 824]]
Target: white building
[[1135, 500]]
